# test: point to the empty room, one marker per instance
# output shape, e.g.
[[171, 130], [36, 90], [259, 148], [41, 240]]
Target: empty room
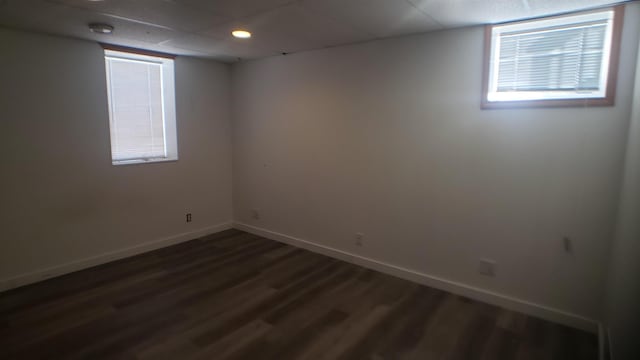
[[320, 179]]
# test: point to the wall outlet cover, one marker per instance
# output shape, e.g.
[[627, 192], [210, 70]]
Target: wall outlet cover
[[487, 267], [359, 239]]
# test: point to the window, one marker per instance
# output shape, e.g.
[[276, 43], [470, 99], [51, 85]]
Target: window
[[142, 116], [568, 60]]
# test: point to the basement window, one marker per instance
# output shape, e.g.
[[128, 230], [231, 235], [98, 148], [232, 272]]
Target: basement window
[[142, 115], [568, 60]]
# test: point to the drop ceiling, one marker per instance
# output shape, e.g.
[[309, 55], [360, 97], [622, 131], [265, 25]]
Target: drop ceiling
[[202, 27]]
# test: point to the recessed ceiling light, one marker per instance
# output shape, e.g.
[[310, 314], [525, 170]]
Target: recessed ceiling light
[[100, 28], [241, 34]]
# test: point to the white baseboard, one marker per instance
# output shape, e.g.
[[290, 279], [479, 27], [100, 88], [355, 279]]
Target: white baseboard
[[604, 342], [502, 300], [609, 347], [43, 274], [601, 340]]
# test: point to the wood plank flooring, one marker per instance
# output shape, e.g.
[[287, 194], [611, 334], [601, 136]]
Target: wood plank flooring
[[234, 295]]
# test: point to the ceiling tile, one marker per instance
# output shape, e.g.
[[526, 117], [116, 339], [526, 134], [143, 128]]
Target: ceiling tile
[[380, 18], [56, 19], [165, 13], [550, 7], [454, 13], [215, 47], [235, 9], [287, 29]]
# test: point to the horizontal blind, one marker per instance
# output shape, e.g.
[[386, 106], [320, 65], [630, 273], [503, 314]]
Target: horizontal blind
[[135, 98], [553, 59]]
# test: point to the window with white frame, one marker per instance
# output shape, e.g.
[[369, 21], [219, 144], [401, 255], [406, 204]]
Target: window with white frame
[[563, 60], [142, 115]]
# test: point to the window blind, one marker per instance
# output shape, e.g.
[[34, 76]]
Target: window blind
[[560, 59], [136, 109]]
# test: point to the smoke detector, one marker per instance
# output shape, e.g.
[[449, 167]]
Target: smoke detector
[[100, 28]]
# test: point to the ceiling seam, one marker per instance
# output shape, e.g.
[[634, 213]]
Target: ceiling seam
[[424, 13]]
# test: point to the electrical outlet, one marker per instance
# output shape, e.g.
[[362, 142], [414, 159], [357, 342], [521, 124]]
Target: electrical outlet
[[255, 214], [487, 267], [188, 216], [359, 239]]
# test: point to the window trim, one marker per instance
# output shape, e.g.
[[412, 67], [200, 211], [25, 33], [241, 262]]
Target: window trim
[[137, 51], [614, 57], [169, 108]]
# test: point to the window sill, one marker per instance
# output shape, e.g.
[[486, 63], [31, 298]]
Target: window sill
[[143, 161], [548, 103]]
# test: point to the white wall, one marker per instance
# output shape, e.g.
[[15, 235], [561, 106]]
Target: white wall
[[62, 200], [387, 138], [623, 296]]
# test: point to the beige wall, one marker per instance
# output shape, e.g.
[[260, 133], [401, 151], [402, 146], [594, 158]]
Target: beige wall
[[62, 200], [387, 138], [623, 296]]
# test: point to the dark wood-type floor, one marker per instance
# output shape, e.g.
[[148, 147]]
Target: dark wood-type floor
[[233, 295]]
